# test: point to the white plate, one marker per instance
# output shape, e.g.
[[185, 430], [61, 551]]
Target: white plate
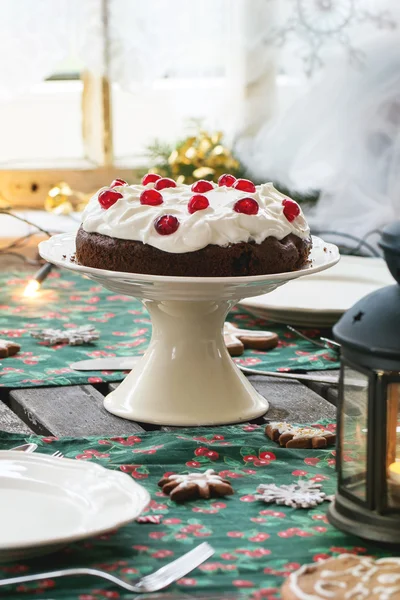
[[319, 300], [47, 502]]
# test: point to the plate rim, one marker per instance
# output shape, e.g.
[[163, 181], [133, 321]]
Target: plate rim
[[121, 478], [69, 238], [251, 303]]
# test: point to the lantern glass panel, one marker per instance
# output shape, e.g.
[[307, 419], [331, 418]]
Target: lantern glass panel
[[354, 431], [393, 444]]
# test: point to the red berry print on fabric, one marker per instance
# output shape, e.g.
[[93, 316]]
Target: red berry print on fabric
[[291, 209], [151, 198], [244, 185], [166, 225], [246, 206], [108, 197], [150, 178], [202, 186], [164, 182], [197, 202]]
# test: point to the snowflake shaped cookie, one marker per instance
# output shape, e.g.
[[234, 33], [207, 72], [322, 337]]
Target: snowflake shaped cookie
[[195, 485], [74, 337], [303, 494]]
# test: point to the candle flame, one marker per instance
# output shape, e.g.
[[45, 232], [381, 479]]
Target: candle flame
[[31, 289]]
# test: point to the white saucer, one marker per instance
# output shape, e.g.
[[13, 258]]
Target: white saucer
[[319, 300], [46, 502]]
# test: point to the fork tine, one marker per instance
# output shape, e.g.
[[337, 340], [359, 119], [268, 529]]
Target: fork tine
[[58, 454], [176, 569], [305, 337]]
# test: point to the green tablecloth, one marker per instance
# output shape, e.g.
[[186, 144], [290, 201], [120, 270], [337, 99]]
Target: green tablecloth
[[257, 545], [68, 300]]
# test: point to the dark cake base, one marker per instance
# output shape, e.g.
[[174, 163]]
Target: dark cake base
[[246, 258]]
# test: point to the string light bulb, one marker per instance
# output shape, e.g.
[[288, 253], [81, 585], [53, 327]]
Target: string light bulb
[[31, 289], [33, 285]]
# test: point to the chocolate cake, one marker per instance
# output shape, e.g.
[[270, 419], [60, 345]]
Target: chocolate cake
[[232, 228]]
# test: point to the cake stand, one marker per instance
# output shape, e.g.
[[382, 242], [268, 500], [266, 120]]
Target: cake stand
[[186, 377]]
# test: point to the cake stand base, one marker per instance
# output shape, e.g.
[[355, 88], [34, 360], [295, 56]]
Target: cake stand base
[[188, 365], [186, 377]]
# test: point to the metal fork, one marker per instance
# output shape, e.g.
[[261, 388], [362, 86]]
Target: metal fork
[[323, 342], [150, 583], [58, 454]]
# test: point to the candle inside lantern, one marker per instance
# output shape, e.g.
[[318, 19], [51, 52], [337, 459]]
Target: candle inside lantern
[[394, 472]]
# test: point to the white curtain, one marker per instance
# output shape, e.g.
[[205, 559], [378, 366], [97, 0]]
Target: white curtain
[[334, 127], [147, 41], [247, 42]]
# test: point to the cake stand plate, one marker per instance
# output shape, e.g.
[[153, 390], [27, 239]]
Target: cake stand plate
[[186, 377]]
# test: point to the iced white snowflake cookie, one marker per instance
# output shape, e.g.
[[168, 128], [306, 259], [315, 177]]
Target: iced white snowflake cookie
[[345, 577], [195, 485], [303, 494], [296, 436]]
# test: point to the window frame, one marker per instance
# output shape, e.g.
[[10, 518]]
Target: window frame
[[27, 188]]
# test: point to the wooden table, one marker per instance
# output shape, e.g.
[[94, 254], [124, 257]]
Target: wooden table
[[78, 410]]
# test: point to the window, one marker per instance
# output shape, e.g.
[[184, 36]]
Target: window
[[89, 84]]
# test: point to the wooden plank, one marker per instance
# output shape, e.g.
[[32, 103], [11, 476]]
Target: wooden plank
[[68, 411], [10, 423], [326, 390], [292, 401], [289, 401]]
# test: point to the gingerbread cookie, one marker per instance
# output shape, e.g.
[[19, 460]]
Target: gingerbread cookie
[[295, 436], [8, 348], [195, 485], [86, 334], [236, 340], [345, 577]]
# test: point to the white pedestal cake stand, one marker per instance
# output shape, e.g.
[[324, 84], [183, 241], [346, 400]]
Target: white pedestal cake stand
[[186, 377]]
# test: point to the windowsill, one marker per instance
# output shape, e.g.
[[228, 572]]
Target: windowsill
[[12, 228], [46, 165]]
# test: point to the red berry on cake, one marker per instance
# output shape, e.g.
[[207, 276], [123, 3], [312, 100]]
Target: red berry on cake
[[197, 202], [150, 178], [227, 180], [118, 182], [166, 224], [291, 209], [109, 197], [244, 185], [151, 197], [164, 182], [247, 206], [202, 186]]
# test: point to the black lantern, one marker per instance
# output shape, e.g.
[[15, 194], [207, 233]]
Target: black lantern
[[367, 502]]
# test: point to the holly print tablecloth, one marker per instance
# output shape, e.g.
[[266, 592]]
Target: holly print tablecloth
[[257, 545], [67, 301]]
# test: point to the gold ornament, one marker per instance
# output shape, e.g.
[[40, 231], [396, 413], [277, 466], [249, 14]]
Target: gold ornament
[[58, 199], [62, 200], [201, 156]]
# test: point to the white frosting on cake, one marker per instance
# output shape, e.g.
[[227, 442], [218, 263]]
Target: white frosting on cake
[[218, 224]]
